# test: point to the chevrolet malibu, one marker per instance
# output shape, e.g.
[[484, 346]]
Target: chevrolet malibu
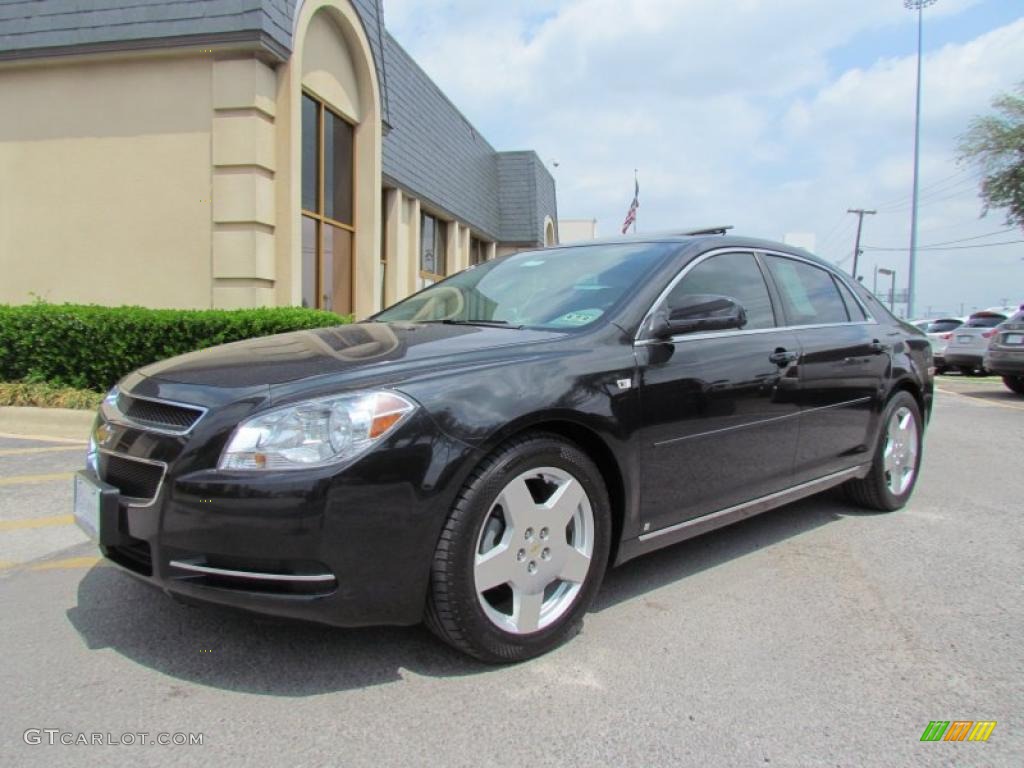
[[477, 455]]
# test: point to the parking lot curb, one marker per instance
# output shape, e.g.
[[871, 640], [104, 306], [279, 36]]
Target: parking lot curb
[[41, 423]]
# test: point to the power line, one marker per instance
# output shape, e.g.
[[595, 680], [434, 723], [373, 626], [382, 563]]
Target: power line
[[902, 199], [944, 248], [968, 239], [935, 196]]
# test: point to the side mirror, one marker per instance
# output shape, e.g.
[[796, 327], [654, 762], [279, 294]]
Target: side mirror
[[698, 312]]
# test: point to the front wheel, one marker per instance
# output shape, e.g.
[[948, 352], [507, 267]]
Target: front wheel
[[897, 458], [1014, 384], [522, 553]]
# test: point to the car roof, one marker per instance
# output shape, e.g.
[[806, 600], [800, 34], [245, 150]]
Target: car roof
[[703, 242], [988, 313]]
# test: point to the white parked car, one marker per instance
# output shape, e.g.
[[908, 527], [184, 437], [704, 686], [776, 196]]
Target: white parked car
[[940, 332]]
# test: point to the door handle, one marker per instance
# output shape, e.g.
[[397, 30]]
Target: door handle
[[783, 358], [878, 348]]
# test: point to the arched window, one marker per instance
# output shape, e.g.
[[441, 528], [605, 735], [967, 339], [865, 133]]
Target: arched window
[[328, 220]]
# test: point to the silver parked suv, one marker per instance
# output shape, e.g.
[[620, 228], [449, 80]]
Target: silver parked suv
[[1005, 354], [966, 350]]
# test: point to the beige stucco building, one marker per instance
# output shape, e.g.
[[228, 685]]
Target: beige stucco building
[[198, 155]]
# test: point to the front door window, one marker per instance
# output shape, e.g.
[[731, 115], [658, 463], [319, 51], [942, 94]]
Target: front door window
[[328, 213]]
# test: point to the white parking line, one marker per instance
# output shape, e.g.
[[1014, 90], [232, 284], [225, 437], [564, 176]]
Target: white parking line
[[979, 400], [42, 438]]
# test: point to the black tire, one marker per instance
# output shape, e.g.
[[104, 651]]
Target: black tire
[[1014, 384], [453, 610], [872, 492]]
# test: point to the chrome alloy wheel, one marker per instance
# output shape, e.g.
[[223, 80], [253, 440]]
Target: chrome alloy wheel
[[900, 454], [534, 550]]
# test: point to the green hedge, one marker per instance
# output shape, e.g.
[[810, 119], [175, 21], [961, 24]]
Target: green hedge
[[91, 347]]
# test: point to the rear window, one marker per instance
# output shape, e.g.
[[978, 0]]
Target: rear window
[[984, 321], [942, 326]]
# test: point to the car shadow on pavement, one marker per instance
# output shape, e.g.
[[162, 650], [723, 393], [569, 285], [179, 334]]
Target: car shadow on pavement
[[232, 650], [679, 561]]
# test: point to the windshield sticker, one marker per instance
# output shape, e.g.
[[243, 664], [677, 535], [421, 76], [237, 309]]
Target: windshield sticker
[[579, 317]]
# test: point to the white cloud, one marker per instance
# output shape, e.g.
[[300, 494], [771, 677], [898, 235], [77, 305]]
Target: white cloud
[[732, 113]]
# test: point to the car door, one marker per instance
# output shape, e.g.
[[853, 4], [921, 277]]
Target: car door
[[844, 364], [718, 422]]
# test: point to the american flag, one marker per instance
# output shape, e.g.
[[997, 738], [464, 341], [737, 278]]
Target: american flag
[[631, 215]]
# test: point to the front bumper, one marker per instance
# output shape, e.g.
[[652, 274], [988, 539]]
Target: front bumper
[[348, 548]]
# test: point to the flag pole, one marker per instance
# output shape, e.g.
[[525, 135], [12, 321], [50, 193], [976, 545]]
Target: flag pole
[[636, 185]]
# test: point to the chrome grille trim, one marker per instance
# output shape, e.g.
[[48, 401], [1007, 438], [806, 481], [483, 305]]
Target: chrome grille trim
[[113, 412]]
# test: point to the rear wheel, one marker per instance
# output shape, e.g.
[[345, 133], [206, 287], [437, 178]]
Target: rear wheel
[[897, 458], [522, 553], [1014, 384]]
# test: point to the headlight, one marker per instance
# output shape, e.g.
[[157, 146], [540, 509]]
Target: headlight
[[315, 433]]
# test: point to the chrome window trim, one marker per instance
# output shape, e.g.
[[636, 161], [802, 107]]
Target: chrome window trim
[[113, 413], [134, 501], [638, 339], [872, 320], [205, 569]]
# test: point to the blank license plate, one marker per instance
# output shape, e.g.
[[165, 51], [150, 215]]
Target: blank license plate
[[965, 339], [1014, 338], [87, 506]]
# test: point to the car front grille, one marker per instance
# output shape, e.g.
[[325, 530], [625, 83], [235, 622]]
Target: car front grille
[[157, 414], [136, 479]]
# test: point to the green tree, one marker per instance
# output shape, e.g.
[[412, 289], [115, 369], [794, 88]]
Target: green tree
[[995, 144]]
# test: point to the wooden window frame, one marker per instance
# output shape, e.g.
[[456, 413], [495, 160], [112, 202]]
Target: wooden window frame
[[318, 216]]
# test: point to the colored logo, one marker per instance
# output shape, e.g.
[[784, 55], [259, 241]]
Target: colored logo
[[958, 730]]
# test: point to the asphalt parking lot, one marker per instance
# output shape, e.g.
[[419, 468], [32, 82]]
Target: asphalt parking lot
[[812, 635]]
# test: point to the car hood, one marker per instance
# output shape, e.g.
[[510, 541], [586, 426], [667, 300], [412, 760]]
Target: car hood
[[385, 351]]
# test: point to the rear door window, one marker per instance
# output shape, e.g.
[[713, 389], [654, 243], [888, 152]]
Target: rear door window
[[809, 294]]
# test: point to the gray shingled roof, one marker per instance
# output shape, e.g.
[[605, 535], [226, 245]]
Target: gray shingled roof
[[431, 149]]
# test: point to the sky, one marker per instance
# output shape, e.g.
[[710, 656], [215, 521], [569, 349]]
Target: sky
[[775, 116]]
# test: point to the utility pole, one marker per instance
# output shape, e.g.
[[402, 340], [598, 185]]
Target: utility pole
[[860, 223], [919, 6]]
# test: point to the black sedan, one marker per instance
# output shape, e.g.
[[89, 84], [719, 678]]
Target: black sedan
[[478, 454]]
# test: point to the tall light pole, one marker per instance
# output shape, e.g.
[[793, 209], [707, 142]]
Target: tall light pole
[[919, 6], [892, 288]]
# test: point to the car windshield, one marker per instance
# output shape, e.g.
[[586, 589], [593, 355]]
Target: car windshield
[[985, 321], [561, 288], [942, 326]]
